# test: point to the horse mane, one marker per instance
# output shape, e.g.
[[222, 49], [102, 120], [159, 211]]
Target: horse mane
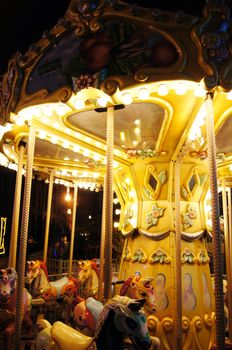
[[94, 266], [43, 266]]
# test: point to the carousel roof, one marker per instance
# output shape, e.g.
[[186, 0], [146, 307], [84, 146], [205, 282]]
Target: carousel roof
[[153, 66]]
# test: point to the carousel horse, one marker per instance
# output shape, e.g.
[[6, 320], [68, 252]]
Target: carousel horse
[[88, 278], [8, 285], [120, 317], [137, 287], [58, 293]]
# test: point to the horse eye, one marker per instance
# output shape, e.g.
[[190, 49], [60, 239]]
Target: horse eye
[[131, 323], [143, 294]]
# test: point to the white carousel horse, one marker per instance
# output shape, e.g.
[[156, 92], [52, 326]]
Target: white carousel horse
[[88, 277], [8, 285], [120, 317], [137, 287]]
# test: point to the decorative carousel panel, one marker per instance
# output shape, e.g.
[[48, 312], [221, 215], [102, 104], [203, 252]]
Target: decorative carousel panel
[[52, 72]]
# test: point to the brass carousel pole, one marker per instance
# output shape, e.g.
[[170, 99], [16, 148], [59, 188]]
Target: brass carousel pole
[[227, 253], [74, 210], [177, 261], [23, 237], [217, 260], [108, 203], [102, 257], [16, 210], [48, 217]]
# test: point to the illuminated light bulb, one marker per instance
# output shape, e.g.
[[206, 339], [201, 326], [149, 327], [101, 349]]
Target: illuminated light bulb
[[116, 224], [144, 93], [137, 131], [86, 186], [79, 104], [229, 95], [199, 91], [46, 181], [115, 164], [92, 188], [19, 121], [230, 167], [65, 144], [209, 222], [69, 211], [61, 110], [96, 157], [54, 140], [66, 158], [180, 89], [76, 149], [126, 98], [137, 122], [3, 160], [56, 125], [76, 160], [44, 120], [133, 222], [116, 201], [48, 111], [56, 181], [95, 175], [132, 194], [42, 135], [103, 100], [127, 181], [133, 207], [122, 136], [192, 136], [162, 90], [27, 113], [63, 172], [86, 153], [68, 196], [117, 212]]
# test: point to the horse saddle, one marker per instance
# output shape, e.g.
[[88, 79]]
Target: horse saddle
[[67, 338], [59, 285]]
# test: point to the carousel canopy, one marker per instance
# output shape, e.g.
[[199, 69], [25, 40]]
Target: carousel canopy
[[153, 66]]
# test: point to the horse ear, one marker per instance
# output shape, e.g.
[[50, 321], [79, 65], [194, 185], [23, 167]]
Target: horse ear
[[136, 305], [146, 281]]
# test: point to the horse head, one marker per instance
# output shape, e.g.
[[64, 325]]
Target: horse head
[[32, 271], [84, 270], [128, 319], [139, 287], [8, 278]]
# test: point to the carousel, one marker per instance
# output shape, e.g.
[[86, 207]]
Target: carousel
[[137, 101]]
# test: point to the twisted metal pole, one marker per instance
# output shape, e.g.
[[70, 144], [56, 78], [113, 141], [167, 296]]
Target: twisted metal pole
[[16, 209], [102, 257], [217, 260], [23, 237], [177, 261], [74, 210], [48, 216], [108, 203]]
